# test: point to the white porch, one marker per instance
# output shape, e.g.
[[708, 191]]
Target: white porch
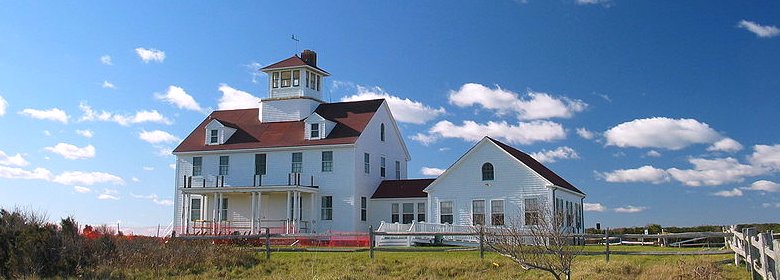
[[248, 210]]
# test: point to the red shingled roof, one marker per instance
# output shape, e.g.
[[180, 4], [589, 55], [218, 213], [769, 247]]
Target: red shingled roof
[[409, 188], [537, 166], [293, 61], [350, 118]]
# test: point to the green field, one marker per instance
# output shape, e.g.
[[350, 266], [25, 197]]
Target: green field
[[450, 265]]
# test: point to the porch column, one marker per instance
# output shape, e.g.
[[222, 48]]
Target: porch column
[[259, 209], [214, 215], [186, 209], [287, 212], [313, 211], [296, 210], [254, 213]]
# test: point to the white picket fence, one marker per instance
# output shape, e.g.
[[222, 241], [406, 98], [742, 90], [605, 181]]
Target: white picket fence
[[759, 251], [425, 228]]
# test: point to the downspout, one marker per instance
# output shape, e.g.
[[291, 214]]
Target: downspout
[[582, 214]]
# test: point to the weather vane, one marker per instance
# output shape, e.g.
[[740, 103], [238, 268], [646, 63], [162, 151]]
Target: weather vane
[[296, 42]]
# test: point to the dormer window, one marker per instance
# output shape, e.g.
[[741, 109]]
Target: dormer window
[[214, 136], [315, 131]]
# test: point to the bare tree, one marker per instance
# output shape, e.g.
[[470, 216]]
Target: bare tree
[[542, 239]]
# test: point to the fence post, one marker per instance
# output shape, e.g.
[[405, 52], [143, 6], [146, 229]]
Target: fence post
[[776, 249], [606, 242], [764, 241], [749, 233], [371, 241], [481, 242], [267, 244]]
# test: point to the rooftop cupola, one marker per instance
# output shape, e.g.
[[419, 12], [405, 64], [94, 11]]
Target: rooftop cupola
[[296, 77], [294, 88]]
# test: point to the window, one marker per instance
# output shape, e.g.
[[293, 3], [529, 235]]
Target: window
[[577, 216], [224, 164], [531, 211], [260, 164], [394, 215], [487, 172], [382, 167], [382, 132], [408, 213], [445, 212], [275, 80], [327, 161], [363, 206], [327, 208], [318, 82], [497, 212], [366, 163], [195, 209], [296, 79], [223, 210], [478, 212], [297, 162], [421, 211], [286, 79], [569, 211], [214, 136], [197, 166], [397, 170], [314, 133]]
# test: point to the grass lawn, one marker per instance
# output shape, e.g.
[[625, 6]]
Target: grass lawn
[[456, 265]]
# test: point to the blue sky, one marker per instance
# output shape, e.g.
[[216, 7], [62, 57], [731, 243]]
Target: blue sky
[[661, 112]]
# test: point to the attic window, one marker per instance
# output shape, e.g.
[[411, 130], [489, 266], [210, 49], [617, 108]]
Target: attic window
[[315, 131], [214, 136], [487, 172]]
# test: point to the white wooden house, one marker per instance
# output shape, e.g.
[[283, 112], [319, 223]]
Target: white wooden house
[[491, 184], [294, 164], [297, 164]]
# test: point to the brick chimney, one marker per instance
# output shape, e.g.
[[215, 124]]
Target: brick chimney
[[310, 57]]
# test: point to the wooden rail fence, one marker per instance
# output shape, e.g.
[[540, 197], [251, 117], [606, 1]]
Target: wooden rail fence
[[759, 251]]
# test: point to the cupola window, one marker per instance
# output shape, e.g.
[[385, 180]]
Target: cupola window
[[296, 78], [286, 77]]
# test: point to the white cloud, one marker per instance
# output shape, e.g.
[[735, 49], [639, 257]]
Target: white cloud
[[732, 193], [431, 171], [164, 151], [80, 189], [763, 185], [592, 2], [236, 99], [768, 205], [85, 132], [107, 84], [404, 109], [148, 168], [585, 133], [546, 156], [106, 59], [672, 134], [18, 173], [87, 178], [630, 209], [762, 31], [766, 156], [88, 114], [148, 55], [533, 106], [53, 114], [522, 133], [134, 179], [70, 151], [16, 160], [157, 137], [154, 198], [713, 172], [178, 97], [46, 132], [254, 71], [644, 174], [3, 105], [725, 145], [425, 139], [109, 194], [594, 207], [653, 153]]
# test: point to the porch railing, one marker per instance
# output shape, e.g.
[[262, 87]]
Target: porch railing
[[219, 181], [244, 227]]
